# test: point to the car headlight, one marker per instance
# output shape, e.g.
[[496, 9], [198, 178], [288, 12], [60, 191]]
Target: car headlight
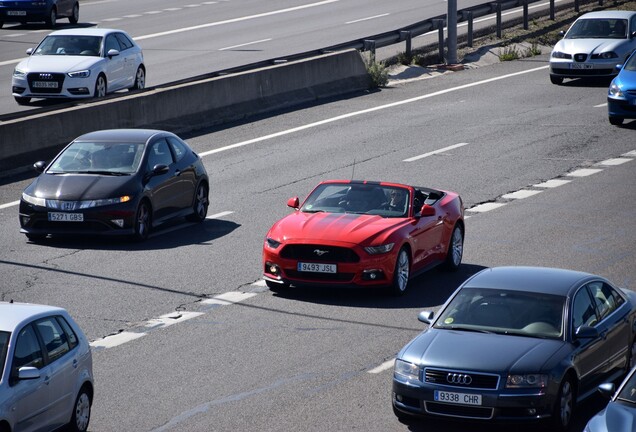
[[561, 55], [608, 55], [615, 91], [34, 200], [406, 370], [79, 74], [103, 202], [272, 243], [19, 73], [527, 381], [374, 250]]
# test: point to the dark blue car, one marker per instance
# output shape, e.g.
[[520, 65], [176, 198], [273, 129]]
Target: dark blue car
[[620, 413], [621, 96], [517, 344], [47, 11]]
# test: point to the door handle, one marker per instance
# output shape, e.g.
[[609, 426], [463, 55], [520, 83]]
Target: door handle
[[47, 380], [75, 363]]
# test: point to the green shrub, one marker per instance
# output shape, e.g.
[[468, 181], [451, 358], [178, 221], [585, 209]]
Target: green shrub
[[509, 53], [378, 73]]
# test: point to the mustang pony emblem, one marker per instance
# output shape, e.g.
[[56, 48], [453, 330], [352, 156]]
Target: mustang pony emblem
[[320, 252]]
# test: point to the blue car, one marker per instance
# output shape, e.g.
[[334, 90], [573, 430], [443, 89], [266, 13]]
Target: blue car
[[621, 96], [620, 413], [47, 11]]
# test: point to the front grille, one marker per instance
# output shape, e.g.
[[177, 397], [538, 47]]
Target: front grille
[[320, 277], [62, 227], [319, 253], [580, 57], [458, 410], [582, 72], [46, 77], [477, 381]]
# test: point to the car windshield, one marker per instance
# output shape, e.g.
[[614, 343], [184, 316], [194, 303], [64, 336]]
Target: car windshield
[[4, 344], [628, 392], [70, 45], [608, 28], [505, 311], [116, 158], [358, 198]]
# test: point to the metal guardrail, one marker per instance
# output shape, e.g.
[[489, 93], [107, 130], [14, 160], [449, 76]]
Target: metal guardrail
[[370, 43]]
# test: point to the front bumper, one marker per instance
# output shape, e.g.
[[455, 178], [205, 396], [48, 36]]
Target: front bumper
[[24, 13], [565, 68], [65, 87], [623, 108]]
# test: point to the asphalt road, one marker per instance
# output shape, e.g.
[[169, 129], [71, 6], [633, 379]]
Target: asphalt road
[[205, 346]]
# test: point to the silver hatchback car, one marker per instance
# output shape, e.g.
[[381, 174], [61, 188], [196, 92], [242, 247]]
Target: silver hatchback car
[[46, 369]]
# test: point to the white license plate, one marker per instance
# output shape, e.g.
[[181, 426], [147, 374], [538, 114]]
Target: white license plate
[[457, 398], [317, 267], [16, 13], [581, 66], [45, 84], [66, 217]]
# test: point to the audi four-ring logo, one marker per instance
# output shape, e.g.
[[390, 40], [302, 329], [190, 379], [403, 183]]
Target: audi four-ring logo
[[320, 252], [455, 378], [46, 76]]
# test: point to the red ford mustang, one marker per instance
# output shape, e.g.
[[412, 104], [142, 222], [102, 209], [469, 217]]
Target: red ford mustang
[[364, 233]]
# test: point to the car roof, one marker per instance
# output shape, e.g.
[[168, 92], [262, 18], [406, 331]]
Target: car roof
[[93, 31], [13, 314], [130, 135], [608, 14], [545, 280]]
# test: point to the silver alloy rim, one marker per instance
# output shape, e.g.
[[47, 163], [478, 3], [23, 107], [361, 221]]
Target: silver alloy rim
[[141, 78], [457, 247], [82, 412], [142, 220], [101, 87], [202, 200], [403, 270], [53, 18], [566, 403], [76, 13]]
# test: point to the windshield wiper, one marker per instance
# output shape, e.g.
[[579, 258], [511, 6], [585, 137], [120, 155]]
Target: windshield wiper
[[111, 173], [451, 327]]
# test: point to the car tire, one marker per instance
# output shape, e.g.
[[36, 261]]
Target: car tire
[[200, 204], [564, 406], [556, 80], [276, 287], [402, 273], [100, 86], [455, 250], [142, 222], [74, 18], [81, 412], [22, 100], [140, 79], [616, 121], [51, 21]]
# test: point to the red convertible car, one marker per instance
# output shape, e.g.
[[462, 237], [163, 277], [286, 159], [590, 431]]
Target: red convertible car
[[362, 233]]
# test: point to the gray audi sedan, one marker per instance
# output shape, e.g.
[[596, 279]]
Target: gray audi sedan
[[517, 344]]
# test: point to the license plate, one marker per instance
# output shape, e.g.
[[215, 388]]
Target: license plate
[[457, 398], [317, 267], [66, 217], [45, 84], [581, 66], [16, 13]]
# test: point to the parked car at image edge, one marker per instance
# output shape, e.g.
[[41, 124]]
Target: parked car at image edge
[[593, 45], [115, 182], [46, 370], [517, 344], [621, 96], [363, 233], [48, 11], [620, 413], [79, 63]]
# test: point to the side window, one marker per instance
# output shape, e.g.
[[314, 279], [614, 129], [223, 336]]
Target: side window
[[583, 312], [27, 350], [159, 154], [606, 298], [71, 337], [124, 42], [179, 149], [53, 337], [111, 43]]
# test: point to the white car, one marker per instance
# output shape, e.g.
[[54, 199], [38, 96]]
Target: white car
[[593, 45], [46, 370], [79, 63]]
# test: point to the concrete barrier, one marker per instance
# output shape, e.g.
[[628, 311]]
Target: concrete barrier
[[185, 107]]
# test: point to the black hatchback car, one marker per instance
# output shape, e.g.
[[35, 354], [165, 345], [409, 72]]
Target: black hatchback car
[[115, 182], [517, 344], [47, 11]]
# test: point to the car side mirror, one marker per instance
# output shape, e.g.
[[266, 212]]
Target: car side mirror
[[160, 169], [618, 67], [112, 53], [426, 317], [607, 389], [427, 211], [586, 332], [293, 203], [561, 33], [28, 373], [39, 166], [29, 51]]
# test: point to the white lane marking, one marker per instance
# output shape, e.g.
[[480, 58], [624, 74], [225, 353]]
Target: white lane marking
[[366, 111], [171, 318], [111, 19], [116, 340], [132, 16], [521, 194], [7, 205], [98, 2], [614, 161], [152, 12], [234, 20], [601, 105], [367, 19], [384, 366], [454, 146], [245, 44], [631, 154], [260, 283], [481, 208], [553, 183], [228, 298], [173, 9], [219, 215], [584, 172], [192, 5]]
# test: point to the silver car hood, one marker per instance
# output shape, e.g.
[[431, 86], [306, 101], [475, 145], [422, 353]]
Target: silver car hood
[[589, 46]]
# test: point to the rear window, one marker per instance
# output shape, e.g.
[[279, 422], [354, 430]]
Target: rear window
[[4, 343]]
